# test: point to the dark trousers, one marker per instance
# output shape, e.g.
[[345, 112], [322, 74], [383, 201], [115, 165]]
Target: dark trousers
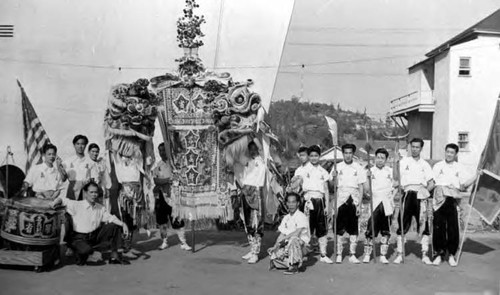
[[107, 236], [411, 209], [253, 217], [163, 213], [381, 223], [347, 220], [446, 228], [317, 218]]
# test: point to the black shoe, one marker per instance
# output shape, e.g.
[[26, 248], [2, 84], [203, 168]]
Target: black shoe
[[81, 260], [118, 261], [291, 271]]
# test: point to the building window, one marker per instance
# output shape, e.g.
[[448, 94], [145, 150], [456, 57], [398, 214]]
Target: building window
[[463, 140], [464, 69]]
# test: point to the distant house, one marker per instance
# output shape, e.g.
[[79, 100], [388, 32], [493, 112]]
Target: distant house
[[453, 92]]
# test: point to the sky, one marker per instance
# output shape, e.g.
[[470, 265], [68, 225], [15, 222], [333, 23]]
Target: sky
[[362, 30], [354, 52]]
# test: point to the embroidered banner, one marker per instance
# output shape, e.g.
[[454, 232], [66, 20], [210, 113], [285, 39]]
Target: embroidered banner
[[201, 190]]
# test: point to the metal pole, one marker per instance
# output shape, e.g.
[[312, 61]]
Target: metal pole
[[473, 196], [336, 194], [371, 204]]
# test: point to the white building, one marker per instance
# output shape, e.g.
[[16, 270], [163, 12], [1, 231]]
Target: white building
[[454, 91]]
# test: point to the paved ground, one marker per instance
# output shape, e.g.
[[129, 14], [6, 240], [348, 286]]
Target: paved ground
[[216, 268]]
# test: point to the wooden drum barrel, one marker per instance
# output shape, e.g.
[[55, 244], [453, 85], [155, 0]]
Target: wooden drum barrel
[[31, 221]]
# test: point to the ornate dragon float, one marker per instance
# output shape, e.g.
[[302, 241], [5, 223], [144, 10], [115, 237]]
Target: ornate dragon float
[[207, 120]]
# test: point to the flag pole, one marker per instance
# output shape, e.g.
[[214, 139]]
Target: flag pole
[[335, 197], [473, 196], [374, 252]]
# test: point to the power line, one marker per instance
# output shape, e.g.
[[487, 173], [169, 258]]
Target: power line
[[115, 67], [373, 30], [357, 45], [345, 73]]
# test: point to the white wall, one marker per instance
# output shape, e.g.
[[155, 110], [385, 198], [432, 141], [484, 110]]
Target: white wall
[[473, 99], [441, 111]]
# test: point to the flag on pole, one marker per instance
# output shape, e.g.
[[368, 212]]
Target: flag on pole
[[487, 198], [35, 136], [332, 127]]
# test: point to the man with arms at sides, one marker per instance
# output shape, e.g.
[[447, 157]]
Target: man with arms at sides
[[315, 180], [93, 227], [383, 206], [294, 236], [416, 181], [79, 168], [451, 177], [351, 178]]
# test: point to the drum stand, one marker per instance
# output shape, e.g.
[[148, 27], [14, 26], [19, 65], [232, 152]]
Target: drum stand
[[14, 254]]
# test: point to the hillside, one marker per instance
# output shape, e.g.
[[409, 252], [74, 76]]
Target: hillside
[[299, 123]]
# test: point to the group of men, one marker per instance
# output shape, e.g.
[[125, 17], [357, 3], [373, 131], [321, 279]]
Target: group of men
[[308, 202], [428, 194], [82, 185]]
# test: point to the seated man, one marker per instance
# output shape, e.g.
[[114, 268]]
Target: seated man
[[93, 227], [294, 236]]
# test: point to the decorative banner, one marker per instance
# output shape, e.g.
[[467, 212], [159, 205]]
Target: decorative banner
[[487, 198], [201, 188]]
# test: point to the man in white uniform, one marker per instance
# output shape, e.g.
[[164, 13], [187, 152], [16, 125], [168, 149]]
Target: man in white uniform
[[351, 178], [416, 181], [294, 236], [451, 177], [383, 206], [254, 176], [79, 168]]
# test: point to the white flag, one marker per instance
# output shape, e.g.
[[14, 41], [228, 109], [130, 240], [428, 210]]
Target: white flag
[[332, 126]]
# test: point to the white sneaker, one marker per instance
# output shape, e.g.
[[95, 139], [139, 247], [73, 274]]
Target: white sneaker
[[426, 260], [247, 256], [95, 257], [164, 245], [366, 259], [339, 259], [398, 259], [384, 260], [437, 261], [452, 261], [185, 247], [253, 259], [325, 259], [353, 259]]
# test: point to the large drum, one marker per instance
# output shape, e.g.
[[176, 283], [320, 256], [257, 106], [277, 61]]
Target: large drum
[[31, 221]]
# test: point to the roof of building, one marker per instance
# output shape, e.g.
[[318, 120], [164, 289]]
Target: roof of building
[[489, 25]]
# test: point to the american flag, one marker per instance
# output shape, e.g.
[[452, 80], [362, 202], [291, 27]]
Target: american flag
[[35, 136]]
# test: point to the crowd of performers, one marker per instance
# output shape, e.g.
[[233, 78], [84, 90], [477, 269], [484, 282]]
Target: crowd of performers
[[82, 183], [428, 194]]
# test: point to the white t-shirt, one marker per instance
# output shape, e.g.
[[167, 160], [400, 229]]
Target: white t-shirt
[[314, 178], [451, 174], [415, 172], [254, 173], [291, 223], [382, 183], [350, 175], [43, 178], [80, 169], [300, 171]]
